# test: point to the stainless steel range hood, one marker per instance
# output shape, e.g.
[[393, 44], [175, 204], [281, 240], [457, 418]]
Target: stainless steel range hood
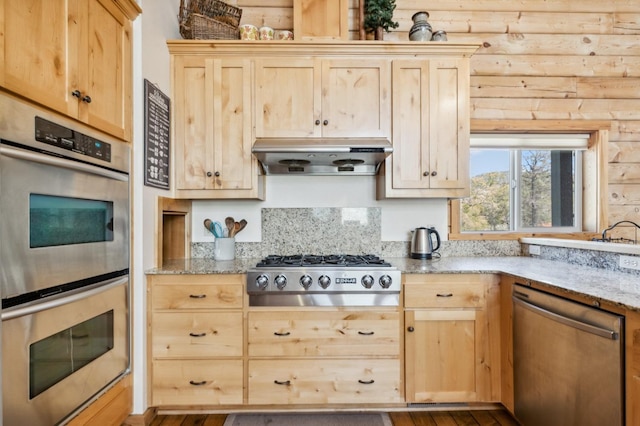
[[325, 156]]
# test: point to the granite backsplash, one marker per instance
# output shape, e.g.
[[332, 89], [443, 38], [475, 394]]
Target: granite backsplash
[[327, 230]]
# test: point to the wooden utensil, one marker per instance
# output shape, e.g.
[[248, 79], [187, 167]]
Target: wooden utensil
[[242, 224], [230, 223]]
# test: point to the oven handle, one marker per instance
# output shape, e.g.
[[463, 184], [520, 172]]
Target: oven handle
[[39, 307], [62, 162]]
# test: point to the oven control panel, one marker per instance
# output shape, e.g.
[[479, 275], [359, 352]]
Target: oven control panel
[[62, 137]]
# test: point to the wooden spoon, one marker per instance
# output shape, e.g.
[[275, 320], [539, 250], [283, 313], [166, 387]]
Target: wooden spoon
[[240, 226], [230, 224]]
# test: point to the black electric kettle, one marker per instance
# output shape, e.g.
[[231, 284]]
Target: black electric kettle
[[422, 243]]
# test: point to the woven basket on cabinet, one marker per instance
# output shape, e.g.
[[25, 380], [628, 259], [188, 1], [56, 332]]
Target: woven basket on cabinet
[[209, 20]]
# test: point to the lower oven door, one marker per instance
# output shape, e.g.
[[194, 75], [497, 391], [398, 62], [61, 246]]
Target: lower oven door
[[57, 355]]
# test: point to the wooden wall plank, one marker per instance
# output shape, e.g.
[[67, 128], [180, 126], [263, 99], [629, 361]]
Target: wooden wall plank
[[625, 131], [624, 173], [550, 109], [606, 87], [523, 87], [625, 152], [556, 65]]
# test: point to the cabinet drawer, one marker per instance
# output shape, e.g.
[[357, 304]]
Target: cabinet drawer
[[197, 335], [201, 382], [197, 296], [444, 295], [324, 333], [331, 381]]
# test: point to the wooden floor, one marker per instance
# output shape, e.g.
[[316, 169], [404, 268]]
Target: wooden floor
[[405, 418]]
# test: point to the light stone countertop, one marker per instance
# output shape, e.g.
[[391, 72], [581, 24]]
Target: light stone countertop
[[616, 287]]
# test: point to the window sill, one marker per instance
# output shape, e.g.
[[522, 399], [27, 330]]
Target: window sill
[[585, 245]]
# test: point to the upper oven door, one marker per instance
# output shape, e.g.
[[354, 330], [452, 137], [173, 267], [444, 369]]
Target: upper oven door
[[62, 221]]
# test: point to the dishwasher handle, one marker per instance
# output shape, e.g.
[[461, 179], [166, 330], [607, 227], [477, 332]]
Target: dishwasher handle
[[598, 331]]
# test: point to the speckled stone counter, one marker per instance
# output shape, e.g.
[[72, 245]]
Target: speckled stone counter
[[616, 287], [205, 266], [603, 285]]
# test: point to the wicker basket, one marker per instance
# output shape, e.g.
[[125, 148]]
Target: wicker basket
[[209, 20]]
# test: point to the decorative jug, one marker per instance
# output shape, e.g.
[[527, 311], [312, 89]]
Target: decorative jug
[[421, 29]]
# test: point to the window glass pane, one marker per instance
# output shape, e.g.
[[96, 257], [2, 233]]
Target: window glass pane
[[58, 221], [546, 188], [488, 207], [56, 357]]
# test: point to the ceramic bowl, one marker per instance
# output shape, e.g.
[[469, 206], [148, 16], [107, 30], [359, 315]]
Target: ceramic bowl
[[284, 35]]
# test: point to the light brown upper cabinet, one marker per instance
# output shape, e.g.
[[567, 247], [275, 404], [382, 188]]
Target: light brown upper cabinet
[[73, 56], [212, 129], [302, 97], [320, 19], [430, 130]]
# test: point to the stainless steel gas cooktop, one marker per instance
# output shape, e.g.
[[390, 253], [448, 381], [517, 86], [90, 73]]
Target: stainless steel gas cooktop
[[323, 280]]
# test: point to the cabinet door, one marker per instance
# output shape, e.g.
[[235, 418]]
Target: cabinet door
[[356, 98], [36, 55], [212, 129], [193, 126], [287, 99], [430, 130], [441, 358], [104, 68]]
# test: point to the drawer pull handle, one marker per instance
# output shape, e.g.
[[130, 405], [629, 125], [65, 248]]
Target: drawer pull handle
[[197, 296], [284, 383], [410, 329], [367, 382], [197, 334], [366, 333], [194, 383], [277, 333], [444, 294]]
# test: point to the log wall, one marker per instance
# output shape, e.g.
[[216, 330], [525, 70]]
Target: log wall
[[539, 60]]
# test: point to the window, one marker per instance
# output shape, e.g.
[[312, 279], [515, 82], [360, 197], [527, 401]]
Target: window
[[528, 183]]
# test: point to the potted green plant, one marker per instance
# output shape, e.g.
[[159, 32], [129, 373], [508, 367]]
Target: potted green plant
[[378, 16]]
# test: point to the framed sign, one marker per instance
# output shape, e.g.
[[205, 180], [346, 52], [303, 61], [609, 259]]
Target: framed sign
[[157, 125]]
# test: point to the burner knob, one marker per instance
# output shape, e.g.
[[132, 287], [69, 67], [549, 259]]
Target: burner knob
[[324, 281], [367, 281], [262, 282], [306, 281], [281, 282], [385, 281]]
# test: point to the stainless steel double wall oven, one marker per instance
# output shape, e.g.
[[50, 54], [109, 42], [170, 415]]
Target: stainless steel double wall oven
[[64, 264]]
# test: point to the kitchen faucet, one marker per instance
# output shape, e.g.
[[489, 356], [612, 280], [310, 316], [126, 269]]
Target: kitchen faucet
[[604, 233]]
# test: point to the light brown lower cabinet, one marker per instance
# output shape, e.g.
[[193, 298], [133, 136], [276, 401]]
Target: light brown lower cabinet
[[324, 381], [196, 342], [452, 337], [324, 356]]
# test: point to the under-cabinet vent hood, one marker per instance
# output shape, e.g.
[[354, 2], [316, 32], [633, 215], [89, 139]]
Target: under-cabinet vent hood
[[326, 156]]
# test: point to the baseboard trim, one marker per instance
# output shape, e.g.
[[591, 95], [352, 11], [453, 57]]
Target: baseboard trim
[[142, 419]]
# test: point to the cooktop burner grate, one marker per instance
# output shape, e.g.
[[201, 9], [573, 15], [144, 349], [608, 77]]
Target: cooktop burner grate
[[333, 260]]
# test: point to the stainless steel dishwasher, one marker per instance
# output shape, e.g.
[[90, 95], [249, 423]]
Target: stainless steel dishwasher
[[568, 361]]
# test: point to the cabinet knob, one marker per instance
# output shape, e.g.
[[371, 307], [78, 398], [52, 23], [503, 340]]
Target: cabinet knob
[[76, 94], [410, 329], [317, 122], [217, 174], [434, 173], [325, 122], [425, 174], [86, 99], [209, 174]]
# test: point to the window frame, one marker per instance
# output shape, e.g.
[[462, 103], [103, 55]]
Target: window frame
[[594, 176]]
